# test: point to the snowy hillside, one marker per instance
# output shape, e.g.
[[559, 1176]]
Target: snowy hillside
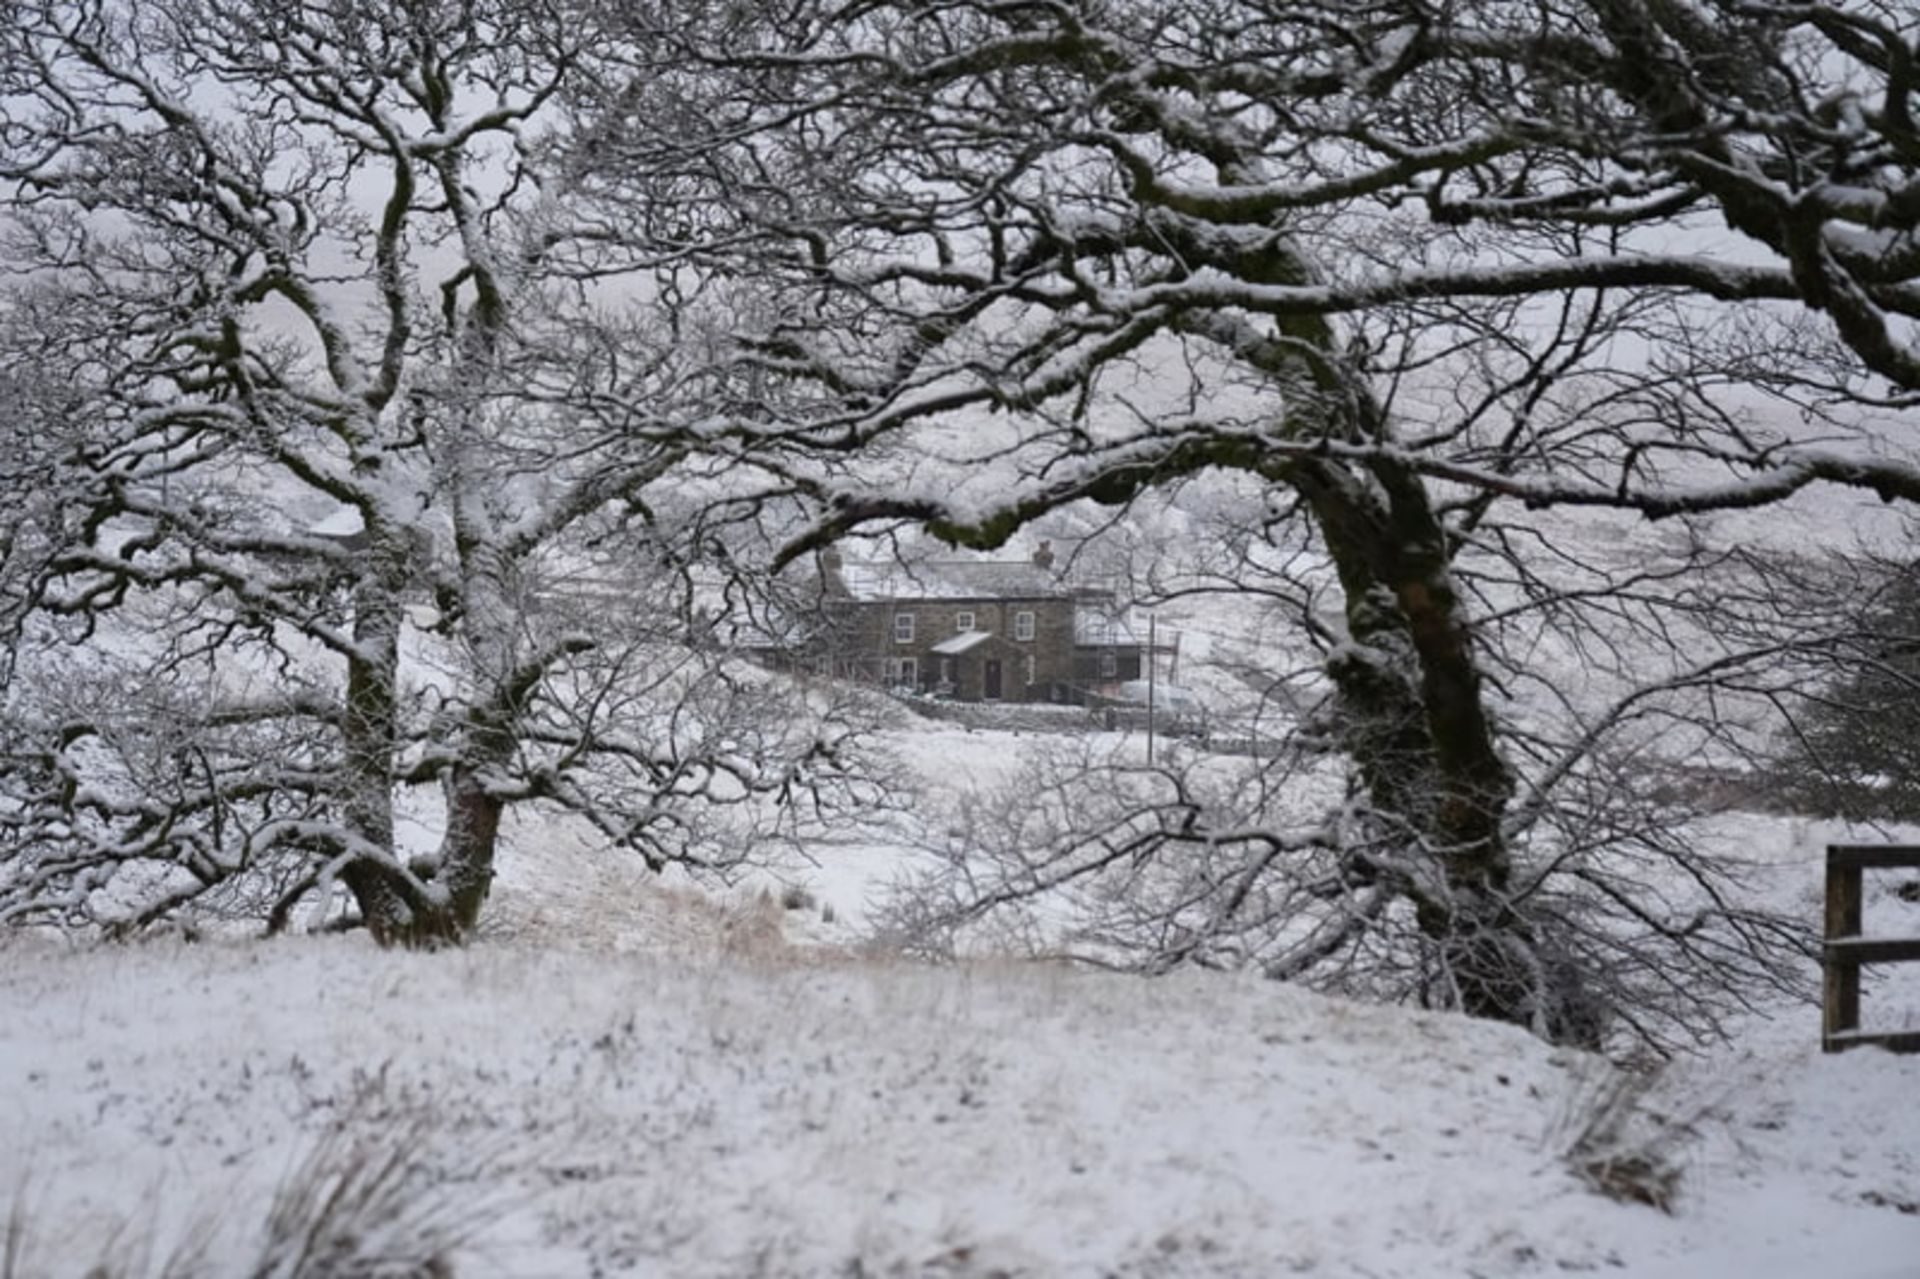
[[717, 1102], [629, 1077], [626, 1076]]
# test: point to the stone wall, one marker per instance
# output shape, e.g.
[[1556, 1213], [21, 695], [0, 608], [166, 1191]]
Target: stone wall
[[1007, 717]]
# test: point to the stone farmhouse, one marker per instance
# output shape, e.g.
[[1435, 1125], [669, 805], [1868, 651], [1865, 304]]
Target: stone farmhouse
[[974, 630]]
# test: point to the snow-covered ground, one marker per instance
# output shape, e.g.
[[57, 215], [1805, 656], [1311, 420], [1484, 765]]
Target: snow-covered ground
[[626, 1076], [624, 1079]]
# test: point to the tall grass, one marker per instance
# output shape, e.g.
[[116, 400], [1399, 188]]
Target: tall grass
[[366, 1201]]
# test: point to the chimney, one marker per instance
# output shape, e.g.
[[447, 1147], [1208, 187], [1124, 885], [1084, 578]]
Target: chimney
[[1043, 555]]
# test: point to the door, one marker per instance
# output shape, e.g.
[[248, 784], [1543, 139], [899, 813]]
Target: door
[[990, 677]]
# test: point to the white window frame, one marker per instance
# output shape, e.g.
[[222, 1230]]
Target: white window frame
[[1030, 665], [963, 621], [907, 672], [1023, 624], [903, 628], [1109, 666]]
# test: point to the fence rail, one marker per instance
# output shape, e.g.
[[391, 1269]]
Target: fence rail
[[1846, 950]]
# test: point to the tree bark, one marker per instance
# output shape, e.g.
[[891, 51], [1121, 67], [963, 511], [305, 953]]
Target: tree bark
[[507, 679], [392, 904], [468, 849], [1417, 727]]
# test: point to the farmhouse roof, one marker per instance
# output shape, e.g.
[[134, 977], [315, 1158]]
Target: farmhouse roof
[[950, 580]]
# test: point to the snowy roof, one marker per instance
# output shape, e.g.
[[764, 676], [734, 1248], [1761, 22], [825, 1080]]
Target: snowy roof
[[344, 521], [960, 643], [949, 580]]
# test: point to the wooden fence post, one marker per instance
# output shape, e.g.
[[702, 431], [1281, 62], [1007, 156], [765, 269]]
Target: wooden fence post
[[1846, 951], [1842, 1002]]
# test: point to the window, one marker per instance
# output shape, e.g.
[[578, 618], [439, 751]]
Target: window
[[1030, 668], [903, 628], [1023, 625], [910, 672], [963, 621], [1108, 666]]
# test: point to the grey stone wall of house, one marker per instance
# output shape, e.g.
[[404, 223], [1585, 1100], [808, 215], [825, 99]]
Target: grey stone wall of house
[[866, 643], [1090, 669]]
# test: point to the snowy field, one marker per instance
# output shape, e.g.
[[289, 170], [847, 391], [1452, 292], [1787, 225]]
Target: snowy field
[[625, 1080]]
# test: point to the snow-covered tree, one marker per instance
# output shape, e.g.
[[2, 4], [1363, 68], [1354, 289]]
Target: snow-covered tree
[[1851, 744], [348, 329], [346, 478], [1418, 271]]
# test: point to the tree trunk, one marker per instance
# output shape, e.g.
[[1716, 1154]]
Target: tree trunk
[[1415, 718], [467, 851], [1416, 725], [395, 909], [506, 679]]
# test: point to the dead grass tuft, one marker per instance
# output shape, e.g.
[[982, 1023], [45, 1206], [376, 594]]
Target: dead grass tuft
[[1623, 1140], [366, 1202]]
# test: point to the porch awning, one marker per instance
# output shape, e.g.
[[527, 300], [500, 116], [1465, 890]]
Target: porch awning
[[961, 643]]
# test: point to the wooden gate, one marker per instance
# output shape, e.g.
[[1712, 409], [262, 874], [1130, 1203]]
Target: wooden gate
[[1846, 950]]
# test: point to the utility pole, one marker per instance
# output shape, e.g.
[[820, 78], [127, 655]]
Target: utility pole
[[1152, 639]]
